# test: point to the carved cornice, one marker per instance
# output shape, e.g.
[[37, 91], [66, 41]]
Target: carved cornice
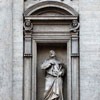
[[61, 17]]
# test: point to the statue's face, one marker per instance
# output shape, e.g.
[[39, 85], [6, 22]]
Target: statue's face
[[52, 53]]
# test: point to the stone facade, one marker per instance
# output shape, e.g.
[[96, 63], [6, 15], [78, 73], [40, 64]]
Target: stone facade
[[89, 49], [6, 49], [11, 47]]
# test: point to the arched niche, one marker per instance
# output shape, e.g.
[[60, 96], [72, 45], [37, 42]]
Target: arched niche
[[31, 10], [45, 24]]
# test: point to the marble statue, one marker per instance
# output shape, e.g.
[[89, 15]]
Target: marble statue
[[53, 80]]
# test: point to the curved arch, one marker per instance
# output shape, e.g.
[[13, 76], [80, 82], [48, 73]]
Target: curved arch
[[54, 10], [46, 4]]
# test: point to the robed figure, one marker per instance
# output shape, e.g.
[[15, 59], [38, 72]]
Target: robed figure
[[53, 80]]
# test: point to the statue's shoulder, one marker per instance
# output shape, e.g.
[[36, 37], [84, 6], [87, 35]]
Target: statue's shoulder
[[46, 60], [58, 61]]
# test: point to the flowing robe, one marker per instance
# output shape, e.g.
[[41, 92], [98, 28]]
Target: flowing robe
[[53, 82]]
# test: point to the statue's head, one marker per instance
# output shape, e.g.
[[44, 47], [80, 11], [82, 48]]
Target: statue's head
[[52, 53]]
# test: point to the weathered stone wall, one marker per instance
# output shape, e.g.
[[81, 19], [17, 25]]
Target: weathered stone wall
[[11, 47], [17, 49], [6, 39], [89, 49]]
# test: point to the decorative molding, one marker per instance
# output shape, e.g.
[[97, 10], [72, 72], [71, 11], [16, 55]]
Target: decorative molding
[[75, 26], [28, 26], [45, 4], [64, 17], [27, 55]]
